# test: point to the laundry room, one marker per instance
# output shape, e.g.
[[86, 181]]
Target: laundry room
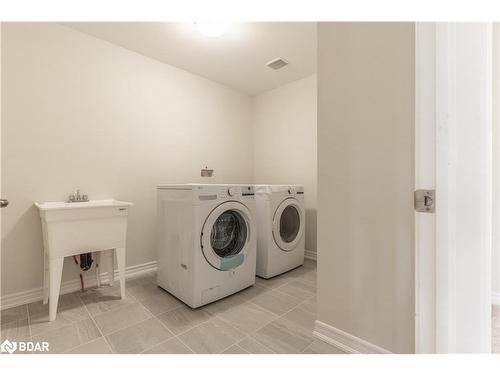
[[125, 143], [210, 186]]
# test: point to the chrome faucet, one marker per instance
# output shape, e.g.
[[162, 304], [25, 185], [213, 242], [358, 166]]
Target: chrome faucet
[[77, 197]]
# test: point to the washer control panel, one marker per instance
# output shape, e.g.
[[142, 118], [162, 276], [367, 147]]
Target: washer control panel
[[224, 192], [247, 190], [236, 191], [298, 189], [233, 191]]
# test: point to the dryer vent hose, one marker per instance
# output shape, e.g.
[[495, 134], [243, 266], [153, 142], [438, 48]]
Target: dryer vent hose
[[86, 261], [85, 264]]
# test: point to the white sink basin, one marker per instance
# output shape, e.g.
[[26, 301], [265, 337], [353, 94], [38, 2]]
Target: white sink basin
[[47, 206], [86, 212], [81, 227]]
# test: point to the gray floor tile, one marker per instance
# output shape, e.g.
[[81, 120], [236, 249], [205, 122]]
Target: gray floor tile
[[184, 318], [87, 330], [99, 346], [253, 346], [252, 292], [115, 320], [143, 291], [171, 346], [15, 330], [274, 282], [320, 347], [67, 302], [40, 323], [139, 337], [301, 289], [224, 304], [161, 303], [277, 302], [304, 272], [299, 320], [235, 349], [309, 276], [495, 332], [213, 336], [247, 317], [280, 339], [61, 339], [106, 298], [310, 264], [309, 305], [69, 336], [149, 278], [13, 314]]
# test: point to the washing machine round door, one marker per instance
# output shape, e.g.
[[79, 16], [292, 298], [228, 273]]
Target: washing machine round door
[[288, 224], [226, 235]]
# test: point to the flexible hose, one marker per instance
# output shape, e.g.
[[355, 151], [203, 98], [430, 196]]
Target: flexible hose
[[85, 264]]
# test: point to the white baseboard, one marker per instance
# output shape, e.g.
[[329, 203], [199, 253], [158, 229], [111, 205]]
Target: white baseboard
[[311, 255], [345, 341], [495, 298], [33, 295]]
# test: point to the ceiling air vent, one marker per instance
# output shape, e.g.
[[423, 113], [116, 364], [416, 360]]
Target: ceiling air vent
[[277, 63]]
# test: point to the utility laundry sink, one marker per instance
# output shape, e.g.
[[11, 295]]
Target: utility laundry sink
[[81, 227]]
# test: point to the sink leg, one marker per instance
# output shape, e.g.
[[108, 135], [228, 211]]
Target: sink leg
[[111, 267], [56, 267], [45, 279], [120, 259]]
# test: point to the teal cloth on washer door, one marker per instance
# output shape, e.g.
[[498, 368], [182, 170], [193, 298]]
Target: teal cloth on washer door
[[232, 262]]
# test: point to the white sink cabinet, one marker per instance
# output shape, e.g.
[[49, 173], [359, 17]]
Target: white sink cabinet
[[81, 227]]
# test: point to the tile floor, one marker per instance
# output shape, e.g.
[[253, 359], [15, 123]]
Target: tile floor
[[273, 316]]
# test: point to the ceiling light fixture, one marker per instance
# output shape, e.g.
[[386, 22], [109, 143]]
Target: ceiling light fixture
[[212, 29]]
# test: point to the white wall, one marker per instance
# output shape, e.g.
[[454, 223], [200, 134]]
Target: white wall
[[285, 143], [365, 181], [78, 112]]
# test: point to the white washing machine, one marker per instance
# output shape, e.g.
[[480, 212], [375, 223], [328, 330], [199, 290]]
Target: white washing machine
[[281, 226], [206, 241]]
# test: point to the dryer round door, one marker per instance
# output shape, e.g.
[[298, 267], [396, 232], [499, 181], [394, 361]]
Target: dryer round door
[[225, 235], [288, 224]]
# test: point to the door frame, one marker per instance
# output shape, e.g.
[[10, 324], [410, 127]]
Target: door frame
[[496, 161], [444, 322], [425, 178]]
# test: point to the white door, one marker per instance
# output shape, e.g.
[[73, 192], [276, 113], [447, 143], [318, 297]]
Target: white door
[[0, 147], [454, 156]]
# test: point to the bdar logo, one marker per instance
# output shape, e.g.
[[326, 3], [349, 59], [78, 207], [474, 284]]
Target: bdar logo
[[8, 347]]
